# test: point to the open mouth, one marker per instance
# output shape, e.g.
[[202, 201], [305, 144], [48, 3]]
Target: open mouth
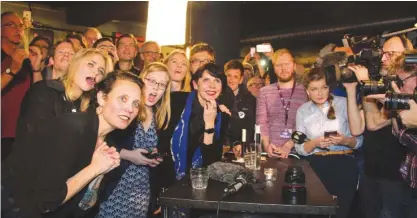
[[91, 81], [124, 117], [152, 97]]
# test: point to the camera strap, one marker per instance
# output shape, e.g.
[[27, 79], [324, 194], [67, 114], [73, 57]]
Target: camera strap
[[286, 106]]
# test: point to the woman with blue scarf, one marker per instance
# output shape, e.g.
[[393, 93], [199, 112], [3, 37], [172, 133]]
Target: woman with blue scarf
[[196, 130]]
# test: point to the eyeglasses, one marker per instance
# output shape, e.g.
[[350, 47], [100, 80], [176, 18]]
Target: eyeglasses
[[153, 83], [256, 85], [153, 53], [14, 26], [199, 62], [390, 54]]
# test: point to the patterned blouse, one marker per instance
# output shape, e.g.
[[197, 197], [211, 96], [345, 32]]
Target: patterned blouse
[[131, 196]]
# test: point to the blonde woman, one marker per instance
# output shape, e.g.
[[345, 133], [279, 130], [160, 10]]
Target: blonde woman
[[49, 98], [132, 178], [178, 66]]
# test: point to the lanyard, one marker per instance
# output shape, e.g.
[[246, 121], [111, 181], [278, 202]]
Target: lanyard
[[286, 106]]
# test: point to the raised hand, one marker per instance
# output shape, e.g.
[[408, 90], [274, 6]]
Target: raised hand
[[18, 56]]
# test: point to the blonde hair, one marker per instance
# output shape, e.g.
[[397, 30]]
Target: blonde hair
[[162, 108], [186, 83], [73, 68], [281, 52]]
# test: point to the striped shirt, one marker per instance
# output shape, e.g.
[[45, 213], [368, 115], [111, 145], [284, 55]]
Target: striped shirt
[[270, 113]]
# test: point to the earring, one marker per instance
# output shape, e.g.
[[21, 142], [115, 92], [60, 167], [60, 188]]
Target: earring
[[99, 110]]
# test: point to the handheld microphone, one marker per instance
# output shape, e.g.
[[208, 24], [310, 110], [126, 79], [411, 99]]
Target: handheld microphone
[[299, 137], [242, 178], [236, 176]]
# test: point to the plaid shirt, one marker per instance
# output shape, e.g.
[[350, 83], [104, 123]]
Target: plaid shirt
[[408, 137]]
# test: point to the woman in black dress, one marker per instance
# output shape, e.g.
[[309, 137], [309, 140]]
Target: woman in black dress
[[47, 173]]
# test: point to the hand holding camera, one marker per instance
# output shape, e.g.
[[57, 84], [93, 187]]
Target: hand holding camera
[[409, 117]]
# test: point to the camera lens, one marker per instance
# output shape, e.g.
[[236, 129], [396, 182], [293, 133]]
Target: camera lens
[[394, 101], [371, 87]]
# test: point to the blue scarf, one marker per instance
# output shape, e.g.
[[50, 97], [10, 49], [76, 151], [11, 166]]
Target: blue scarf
[[179, 141]]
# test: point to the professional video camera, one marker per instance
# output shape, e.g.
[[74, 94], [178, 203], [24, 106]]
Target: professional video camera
[[369, 87], [367, 52]]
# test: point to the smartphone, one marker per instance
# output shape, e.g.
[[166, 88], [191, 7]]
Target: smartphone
[[327, 134], [152, 156], [252, 51], [263, 48]]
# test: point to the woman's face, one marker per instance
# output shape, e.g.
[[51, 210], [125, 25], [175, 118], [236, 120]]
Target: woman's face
[[177, 67], [318, 91], [155, 86], [208, 87], [121, 104], [90, 72]]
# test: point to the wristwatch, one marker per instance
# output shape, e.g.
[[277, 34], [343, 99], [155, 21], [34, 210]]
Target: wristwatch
[[9, 72], [209, 131]]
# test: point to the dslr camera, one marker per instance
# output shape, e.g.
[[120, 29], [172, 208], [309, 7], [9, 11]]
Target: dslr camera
[[395, 101], [370, 87]]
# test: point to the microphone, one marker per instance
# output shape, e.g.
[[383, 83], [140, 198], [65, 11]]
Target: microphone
[[242, 178], [299, 137], [236, 176]]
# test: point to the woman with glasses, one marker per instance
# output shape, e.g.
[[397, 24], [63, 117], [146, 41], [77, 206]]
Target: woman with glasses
[[330, 148], [127, 191], [178, 67]]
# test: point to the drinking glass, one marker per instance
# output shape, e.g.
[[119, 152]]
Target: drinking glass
[[252, 156], [199, 178]]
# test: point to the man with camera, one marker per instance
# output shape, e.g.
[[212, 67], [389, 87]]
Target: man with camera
[[382, 189]]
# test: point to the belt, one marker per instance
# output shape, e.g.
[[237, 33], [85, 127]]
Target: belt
[[342, 152]]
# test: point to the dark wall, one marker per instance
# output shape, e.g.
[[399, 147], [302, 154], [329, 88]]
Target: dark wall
[[218, 24]]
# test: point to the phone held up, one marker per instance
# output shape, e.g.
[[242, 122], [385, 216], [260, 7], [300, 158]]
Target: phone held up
[[327, 134], [262, 48]]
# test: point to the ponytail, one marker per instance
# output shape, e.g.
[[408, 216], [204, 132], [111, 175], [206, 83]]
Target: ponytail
[[331, 114]]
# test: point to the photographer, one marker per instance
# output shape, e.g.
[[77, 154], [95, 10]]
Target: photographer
[[382, 188]]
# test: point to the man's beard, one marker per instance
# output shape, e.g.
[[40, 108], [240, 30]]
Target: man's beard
[[287, 79]]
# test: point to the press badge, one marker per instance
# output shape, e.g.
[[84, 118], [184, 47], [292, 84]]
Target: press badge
[[286, 134]]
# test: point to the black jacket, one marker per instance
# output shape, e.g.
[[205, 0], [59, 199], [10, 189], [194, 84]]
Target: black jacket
[[44, 159], [246, 119], [45, 99], [164, 174]]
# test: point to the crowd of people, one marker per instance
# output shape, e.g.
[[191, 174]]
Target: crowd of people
[[81, 119]]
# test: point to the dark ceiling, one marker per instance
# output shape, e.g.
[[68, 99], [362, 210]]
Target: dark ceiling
[[262, 18], [94, 13]]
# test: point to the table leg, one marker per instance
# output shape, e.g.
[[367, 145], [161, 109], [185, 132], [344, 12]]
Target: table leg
[[165, 211]]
